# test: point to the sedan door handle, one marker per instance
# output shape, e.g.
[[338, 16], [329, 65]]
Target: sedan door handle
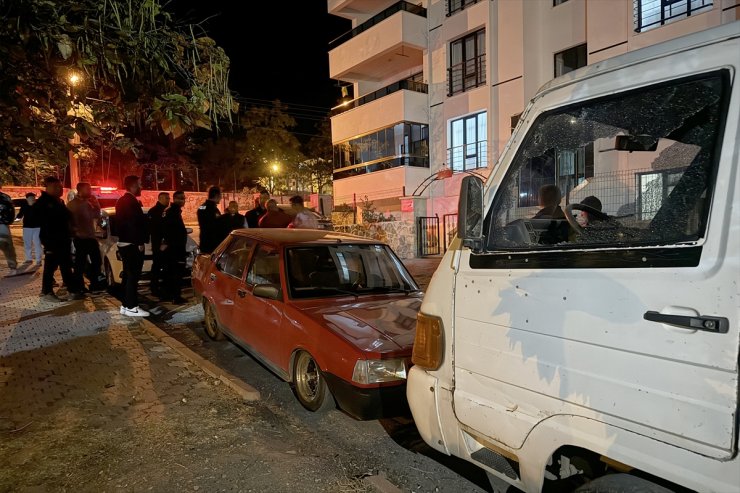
[[720, 325], [241, 292]]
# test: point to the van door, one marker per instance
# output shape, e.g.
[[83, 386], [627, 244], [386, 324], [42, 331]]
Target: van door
[[608, 284]]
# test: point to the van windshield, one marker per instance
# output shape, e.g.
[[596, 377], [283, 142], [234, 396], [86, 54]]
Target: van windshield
[[632, 169]]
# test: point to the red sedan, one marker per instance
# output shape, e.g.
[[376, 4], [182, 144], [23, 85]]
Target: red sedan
[[331, 313]]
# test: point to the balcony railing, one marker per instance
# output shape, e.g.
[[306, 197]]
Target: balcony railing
[[382, 164], [377, 19], [409, 85], [468, 156], [466, 75], [654, 13]]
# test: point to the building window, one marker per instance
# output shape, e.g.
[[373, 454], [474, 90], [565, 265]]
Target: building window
[[467, 143], [654, 13], [555, 3], [566, 168], [570, 59], [515, 121], [458, 5], [467, 63], [403, 144]]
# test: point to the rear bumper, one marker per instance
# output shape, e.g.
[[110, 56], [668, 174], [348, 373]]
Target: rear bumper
[[368, 403]]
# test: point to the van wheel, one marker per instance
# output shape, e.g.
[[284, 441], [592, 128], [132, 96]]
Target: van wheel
[[210, 322], [620, 483], [309, 384]]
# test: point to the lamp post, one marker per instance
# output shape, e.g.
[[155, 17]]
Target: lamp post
[[74, 165], [273, 171]]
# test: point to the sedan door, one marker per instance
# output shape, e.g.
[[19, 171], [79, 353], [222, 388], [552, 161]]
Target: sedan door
[[226, 278], [259, 319]]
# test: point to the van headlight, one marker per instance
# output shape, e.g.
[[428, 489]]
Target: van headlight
[[379, 370]]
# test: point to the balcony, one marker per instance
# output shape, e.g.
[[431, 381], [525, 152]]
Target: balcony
[[388, 43], [407, 85], [467, 75], [354, 9], [398, 106]]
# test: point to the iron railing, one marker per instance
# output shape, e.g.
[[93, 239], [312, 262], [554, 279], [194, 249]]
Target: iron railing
[[409, 85], [449, 229], [466, 75], [468, 156], [427, 235], [652, 13], [377, 19]]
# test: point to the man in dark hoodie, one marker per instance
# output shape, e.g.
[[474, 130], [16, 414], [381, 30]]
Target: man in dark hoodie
[[133, 234], [155, 216], [173, 247], [56, 237]]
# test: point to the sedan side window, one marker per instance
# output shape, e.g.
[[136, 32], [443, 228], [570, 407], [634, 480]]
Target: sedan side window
[[235, 257], [265, 268]]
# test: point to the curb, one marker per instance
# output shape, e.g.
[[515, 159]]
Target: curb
[[242, 389]]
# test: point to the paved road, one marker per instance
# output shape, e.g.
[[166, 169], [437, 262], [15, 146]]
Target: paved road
[[88, 398]]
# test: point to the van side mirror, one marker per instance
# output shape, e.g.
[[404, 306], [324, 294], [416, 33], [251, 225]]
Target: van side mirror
[[470, 213], [270, 291]]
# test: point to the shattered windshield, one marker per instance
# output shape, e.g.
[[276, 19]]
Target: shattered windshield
[[632, 169]]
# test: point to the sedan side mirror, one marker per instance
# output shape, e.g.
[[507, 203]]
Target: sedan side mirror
[[470, 213], [270, 291]]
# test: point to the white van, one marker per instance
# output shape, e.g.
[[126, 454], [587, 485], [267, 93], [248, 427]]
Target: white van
[[563, 351]]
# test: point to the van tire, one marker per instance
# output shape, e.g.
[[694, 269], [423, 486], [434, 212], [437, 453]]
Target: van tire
[[620, 483]]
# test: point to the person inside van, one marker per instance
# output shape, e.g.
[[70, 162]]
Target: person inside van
[[549, 201], [585, 217]]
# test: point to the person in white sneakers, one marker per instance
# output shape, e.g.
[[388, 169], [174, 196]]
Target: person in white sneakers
[[133, 234]]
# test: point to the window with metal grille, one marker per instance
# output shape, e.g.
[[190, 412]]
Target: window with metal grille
[[467, 143], [467, 63], [649, 14], [458, 5]]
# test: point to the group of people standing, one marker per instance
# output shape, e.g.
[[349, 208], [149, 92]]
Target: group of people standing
[[215, 227], [66, 234]]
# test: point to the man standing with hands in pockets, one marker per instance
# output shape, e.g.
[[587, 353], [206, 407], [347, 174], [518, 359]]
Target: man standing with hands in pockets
[[133, 234]]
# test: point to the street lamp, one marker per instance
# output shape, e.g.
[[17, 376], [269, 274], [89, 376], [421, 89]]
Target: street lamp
[[74, 170]]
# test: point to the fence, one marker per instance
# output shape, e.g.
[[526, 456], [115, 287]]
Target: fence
[[449, 229], [349, 209], [427, 234]]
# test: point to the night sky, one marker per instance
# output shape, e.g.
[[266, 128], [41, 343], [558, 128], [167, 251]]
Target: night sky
[[278, 50]]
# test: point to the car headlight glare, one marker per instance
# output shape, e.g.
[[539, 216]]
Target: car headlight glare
[[369, 371]]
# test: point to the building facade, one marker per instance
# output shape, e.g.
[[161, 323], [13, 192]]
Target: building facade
[[438, 86]]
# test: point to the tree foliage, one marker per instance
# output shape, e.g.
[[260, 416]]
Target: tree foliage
[[138, 70]]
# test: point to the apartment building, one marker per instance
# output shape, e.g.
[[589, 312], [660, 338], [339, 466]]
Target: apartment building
[[437, 87]]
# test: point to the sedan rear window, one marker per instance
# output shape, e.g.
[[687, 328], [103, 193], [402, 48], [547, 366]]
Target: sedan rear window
[[339, 270]]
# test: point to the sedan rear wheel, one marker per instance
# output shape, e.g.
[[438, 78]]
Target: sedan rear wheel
[[210, 322], [309, 384]]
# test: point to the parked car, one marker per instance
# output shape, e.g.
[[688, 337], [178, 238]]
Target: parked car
[[333, 314], [112, 265]]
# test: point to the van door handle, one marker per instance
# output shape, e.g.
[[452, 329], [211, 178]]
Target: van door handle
[[241, 292], [719, 325]]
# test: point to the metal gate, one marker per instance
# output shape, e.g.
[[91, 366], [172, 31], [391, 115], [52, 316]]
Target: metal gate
[[427, 235], [449, 229]]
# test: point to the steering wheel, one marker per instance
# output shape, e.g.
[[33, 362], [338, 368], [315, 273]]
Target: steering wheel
[[593, 213]]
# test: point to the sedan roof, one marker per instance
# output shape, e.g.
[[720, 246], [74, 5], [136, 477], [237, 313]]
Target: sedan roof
[[290, 236]]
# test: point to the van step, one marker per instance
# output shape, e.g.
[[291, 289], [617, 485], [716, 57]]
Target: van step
[[497, 462]]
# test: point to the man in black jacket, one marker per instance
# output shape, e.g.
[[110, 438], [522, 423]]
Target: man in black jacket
[[155, 216], [56, 237], [253, 216], [173, 247], [133, 234], [208, 214]]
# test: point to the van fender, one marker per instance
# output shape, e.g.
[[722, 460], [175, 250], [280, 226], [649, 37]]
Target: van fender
[[660, 459]]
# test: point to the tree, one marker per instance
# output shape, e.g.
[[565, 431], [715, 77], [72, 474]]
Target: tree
[[317, 170], [135, 70]]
